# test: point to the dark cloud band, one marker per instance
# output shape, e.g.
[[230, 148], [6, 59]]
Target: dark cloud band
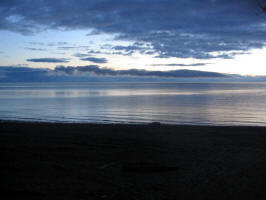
[[95, 60], [48, 60]]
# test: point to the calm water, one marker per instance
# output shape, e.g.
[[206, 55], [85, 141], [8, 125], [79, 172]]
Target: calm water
[[173, 103]]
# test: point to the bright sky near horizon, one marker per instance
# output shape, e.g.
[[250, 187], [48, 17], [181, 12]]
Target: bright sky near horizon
[[214, 35]]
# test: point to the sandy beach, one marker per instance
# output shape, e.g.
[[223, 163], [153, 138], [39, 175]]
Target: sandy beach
[[93, 161]]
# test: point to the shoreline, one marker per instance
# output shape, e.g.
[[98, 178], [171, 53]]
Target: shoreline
[[131, 161], [155, 123]]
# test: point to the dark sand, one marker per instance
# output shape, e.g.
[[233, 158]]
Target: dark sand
[[86, 161]]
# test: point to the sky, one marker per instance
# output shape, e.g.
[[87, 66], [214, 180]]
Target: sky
[[163, 36]]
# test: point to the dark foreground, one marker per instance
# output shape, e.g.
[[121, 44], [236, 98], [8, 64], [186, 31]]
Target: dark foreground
[[89, 161]]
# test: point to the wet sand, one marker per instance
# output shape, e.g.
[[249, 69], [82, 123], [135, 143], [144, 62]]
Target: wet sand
[[93, 161]]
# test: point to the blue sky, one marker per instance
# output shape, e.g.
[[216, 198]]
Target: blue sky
[[153, 35]]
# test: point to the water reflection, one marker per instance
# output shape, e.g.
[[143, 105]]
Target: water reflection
[[179, 103]]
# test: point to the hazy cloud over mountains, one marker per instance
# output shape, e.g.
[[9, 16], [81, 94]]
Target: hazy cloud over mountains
[[136, 72], [86, 73]]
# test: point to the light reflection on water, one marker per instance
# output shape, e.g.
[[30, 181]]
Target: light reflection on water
[[177, 103]]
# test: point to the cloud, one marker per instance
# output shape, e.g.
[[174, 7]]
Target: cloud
[[96, 52], [57, 43], [96, 70], [181, 65], [184, 29], [72, 47], [21, 65], [183, 21], [80, 55], [35, 49], [90, 53], [51, 44], [48, 60], [36, 43], [95, 60], [93, 32], [130, 49], [68, 47]]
